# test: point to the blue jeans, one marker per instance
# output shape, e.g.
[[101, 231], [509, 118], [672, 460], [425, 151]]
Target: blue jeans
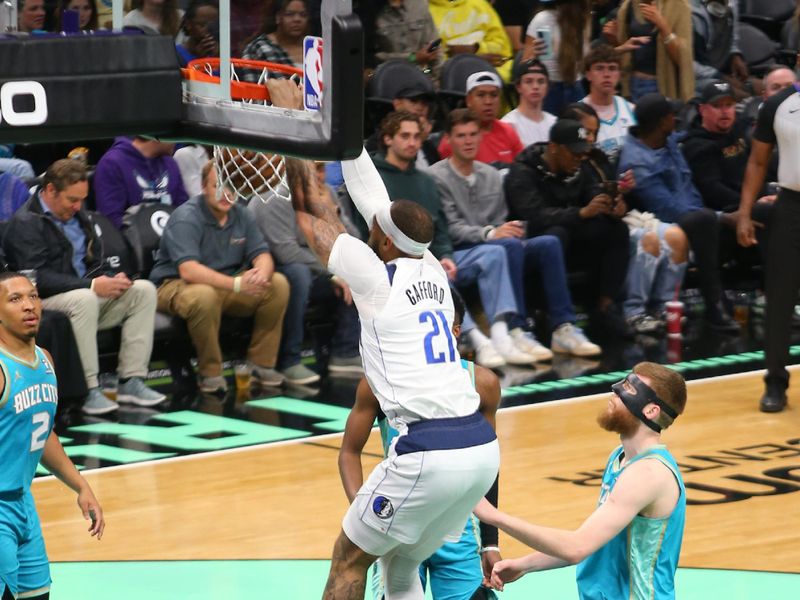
[[547, 256], [561, 94], [486, 265], [304, 286], [641, 86], [652, 280]]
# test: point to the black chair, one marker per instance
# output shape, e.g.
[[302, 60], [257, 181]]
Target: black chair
[[453, 78], [767, 15], [388, 82], [142, 226], [758, 50], [114, 249]]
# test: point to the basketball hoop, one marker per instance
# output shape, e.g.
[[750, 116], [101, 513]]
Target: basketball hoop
[[246, 173]]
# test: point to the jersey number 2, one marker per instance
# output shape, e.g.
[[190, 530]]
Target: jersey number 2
[[39, 435], [435, 332]]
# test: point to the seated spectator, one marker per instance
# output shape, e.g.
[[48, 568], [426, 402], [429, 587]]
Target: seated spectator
[[136, 170], [499, 141], [485, 265], [87, 14], [404, 29], [309, 280], [53, 235], [416, 99], [280, 40], [213, 260], [664, 188], [159, 16], [548, 188], [475, 206], [602, 68], [530, 120], [473, 27], [716, 45], [200, 27], [13, 194], [191, 159], [30, 15], [559, 21], [663, 64]]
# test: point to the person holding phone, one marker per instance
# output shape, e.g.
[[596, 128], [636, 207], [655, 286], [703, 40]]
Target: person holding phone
[[404, 29], [557, 21], [200, 25]]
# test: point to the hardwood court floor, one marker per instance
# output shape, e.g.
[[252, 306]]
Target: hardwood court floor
[[742, 469]]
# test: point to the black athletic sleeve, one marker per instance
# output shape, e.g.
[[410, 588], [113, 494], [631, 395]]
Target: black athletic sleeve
[[765, 126], [489, 535]]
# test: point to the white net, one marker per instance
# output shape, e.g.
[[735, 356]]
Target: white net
[[249, 174]]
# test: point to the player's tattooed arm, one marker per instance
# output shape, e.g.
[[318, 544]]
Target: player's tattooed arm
[[317, 216]]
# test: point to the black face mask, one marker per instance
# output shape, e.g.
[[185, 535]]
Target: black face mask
[[641, 396]]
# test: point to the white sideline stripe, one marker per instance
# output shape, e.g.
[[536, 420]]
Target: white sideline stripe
[[328, 436]]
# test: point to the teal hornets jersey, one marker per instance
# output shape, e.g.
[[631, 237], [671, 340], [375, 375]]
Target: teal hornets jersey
[[27, 411], [640, 562]]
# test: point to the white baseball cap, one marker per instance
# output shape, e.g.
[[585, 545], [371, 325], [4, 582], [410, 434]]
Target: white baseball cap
[[483, 78]]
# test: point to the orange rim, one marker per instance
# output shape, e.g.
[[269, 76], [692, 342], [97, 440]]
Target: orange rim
[[197, 70]]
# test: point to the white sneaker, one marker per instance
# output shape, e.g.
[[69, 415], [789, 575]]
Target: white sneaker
[[570, 339], [528, 343], [512, 354], [487, 356]]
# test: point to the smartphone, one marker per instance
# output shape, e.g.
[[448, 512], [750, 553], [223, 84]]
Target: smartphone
[[611, 188], [546, 35], [434, 44]]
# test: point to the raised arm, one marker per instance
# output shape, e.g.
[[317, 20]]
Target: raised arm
[[365, 186], [317, 216]]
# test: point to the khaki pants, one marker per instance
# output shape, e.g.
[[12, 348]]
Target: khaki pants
[[202, 307], [135, 310]]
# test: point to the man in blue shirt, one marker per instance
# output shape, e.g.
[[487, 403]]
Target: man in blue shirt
[[664, 187], [630, 545]]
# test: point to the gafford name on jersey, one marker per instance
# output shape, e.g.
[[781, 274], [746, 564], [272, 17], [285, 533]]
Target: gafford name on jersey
[[424, 290]]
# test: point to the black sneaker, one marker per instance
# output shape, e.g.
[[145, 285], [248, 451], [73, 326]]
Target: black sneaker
[[774, 398]]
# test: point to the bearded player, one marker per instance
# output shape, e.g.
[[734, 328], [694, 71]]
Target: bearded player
[[27, 408], [629, 546]]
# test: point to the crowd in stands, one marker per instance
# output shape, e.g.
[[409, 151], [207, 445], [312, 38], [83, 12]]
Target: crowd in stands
[[607, 138]]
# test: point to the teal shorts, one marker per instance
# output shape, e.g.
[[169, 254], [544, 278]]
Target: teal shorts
[[23, 559]]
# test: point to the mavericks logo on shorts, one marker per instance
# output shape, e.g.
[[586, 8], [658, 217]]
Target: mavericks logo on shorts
[[382, 507]]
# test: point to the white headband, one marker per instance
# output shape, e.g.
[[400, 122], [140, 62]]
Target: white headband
[[400, 239]]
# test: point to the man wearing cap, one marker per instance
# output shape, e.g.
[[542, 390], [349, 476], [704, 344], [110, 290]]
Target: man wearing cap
[[664, 187], [530, 120], [414, 97], [499, 141], [547, 188], [630, 545], [778, 126]]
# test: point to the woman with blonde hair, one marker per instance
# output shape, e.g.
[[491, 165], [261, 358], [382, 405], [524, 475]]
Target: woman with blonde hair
[[666, 63]]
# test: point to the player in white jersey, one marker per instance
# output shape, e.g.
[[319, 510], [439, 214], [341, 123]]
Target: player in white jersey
[[446, 456]]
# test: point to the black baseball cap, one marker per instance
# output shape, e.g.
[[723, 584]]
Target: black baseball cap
[[529, 66], [716, 90], [651, 108], [415, 89], [570, 133]]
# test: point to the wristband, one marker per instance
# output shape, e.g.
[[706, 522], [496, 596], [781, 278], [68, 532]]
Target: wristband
[[91, 285], [670, 38], [490, 549], [412, 57], [237, 284]]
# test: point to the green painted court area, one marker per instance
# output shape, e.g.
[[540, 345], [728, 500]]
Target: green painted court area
[[305, 579]]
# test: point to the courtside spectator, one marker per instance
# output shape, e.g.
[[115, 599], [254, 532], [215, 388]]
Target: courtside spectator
[[499, 141], [529, 119], [53, 235], [134, 171]]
